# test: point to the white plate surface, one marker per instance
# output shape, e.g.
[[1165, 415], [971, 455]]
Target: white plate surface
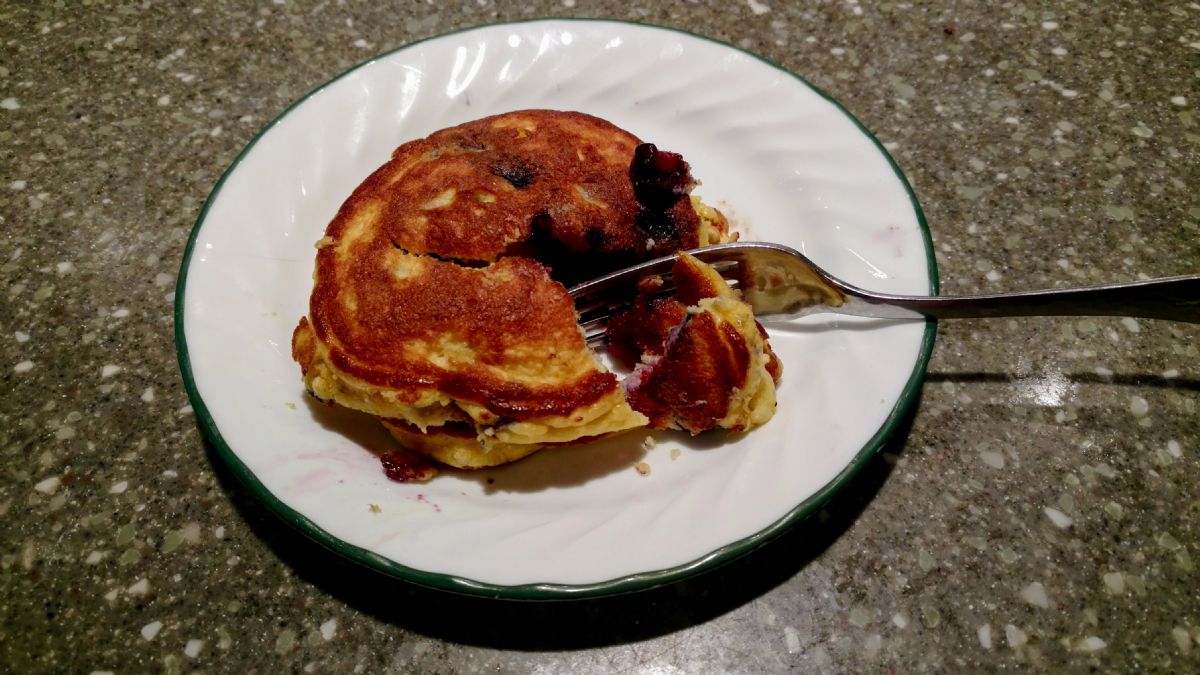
[[782, 161]]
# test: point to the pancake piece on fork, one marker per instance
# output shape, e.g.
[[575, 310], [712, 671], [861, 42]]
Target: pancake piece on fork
[[701, 361]]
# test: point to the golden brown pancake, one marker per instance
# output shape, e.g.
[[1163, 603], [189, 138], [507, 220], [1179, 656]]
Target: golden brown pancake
[[433, 305]]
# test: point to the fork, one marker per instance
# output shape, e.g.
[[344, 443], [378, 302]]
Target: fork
[[780, 283]]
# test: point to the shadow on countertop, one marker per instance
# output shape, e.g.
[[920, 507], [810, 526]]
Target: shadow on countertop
[[564, 624]]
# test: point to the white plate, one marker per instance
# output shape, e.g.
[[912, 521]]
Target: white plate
[[786, 163]]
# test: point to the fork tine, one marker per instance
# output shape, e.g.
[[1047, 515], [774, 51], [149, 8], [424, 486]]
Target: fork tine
[[594, 319], [594, 332]]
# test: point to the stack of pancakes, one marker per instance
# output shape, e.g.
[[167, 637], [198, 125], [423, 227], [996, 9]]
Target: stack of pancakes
[[438, 302]]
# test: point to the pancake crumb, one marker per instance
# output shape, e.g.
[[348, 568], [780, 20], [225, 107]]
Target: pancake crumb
[[642, 468], [675, 453], [649, 443]]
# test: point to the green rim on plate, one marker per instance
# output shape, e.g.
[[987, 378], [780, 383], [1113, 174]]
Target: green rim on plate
[[546, 591]]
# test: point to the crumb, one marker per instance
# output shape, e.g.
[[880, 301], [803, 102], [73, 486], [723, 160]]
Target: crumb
[[642, 468], [649, 443], [404, 467], [374, 508], [291, 405], [675, 453], [650, 284], [323, 242]]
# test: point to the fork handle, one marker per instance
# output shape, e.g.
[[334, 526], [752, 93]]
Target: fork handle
[[1174, 298]]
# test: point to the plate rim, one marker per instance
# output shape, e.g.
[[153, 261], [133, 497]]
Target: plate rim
[[552, 591]]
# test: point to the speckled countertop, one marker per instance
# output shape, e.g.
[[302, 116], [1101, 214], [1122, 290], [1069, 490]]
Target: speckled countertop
[[1041, 512]]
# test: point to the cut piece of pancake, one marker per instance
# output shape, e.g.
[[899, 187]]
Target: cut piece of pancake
[[703, 360]]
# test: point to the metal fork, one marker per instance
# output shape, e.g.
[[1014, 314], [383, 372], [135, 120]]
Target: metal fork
[[779, 282]]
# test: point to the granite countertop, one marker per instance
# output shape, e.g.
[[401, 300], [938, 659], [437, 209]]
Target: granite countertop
[[1041, 511]]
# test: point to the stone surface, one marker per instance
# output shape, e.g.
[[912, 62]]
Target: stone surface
[[1041, 511]]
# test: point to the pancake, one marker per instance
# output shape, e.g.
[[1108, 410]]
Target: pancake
[[438, 303], [429, 342], [702, 360], [455, 444], [555, 186]]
